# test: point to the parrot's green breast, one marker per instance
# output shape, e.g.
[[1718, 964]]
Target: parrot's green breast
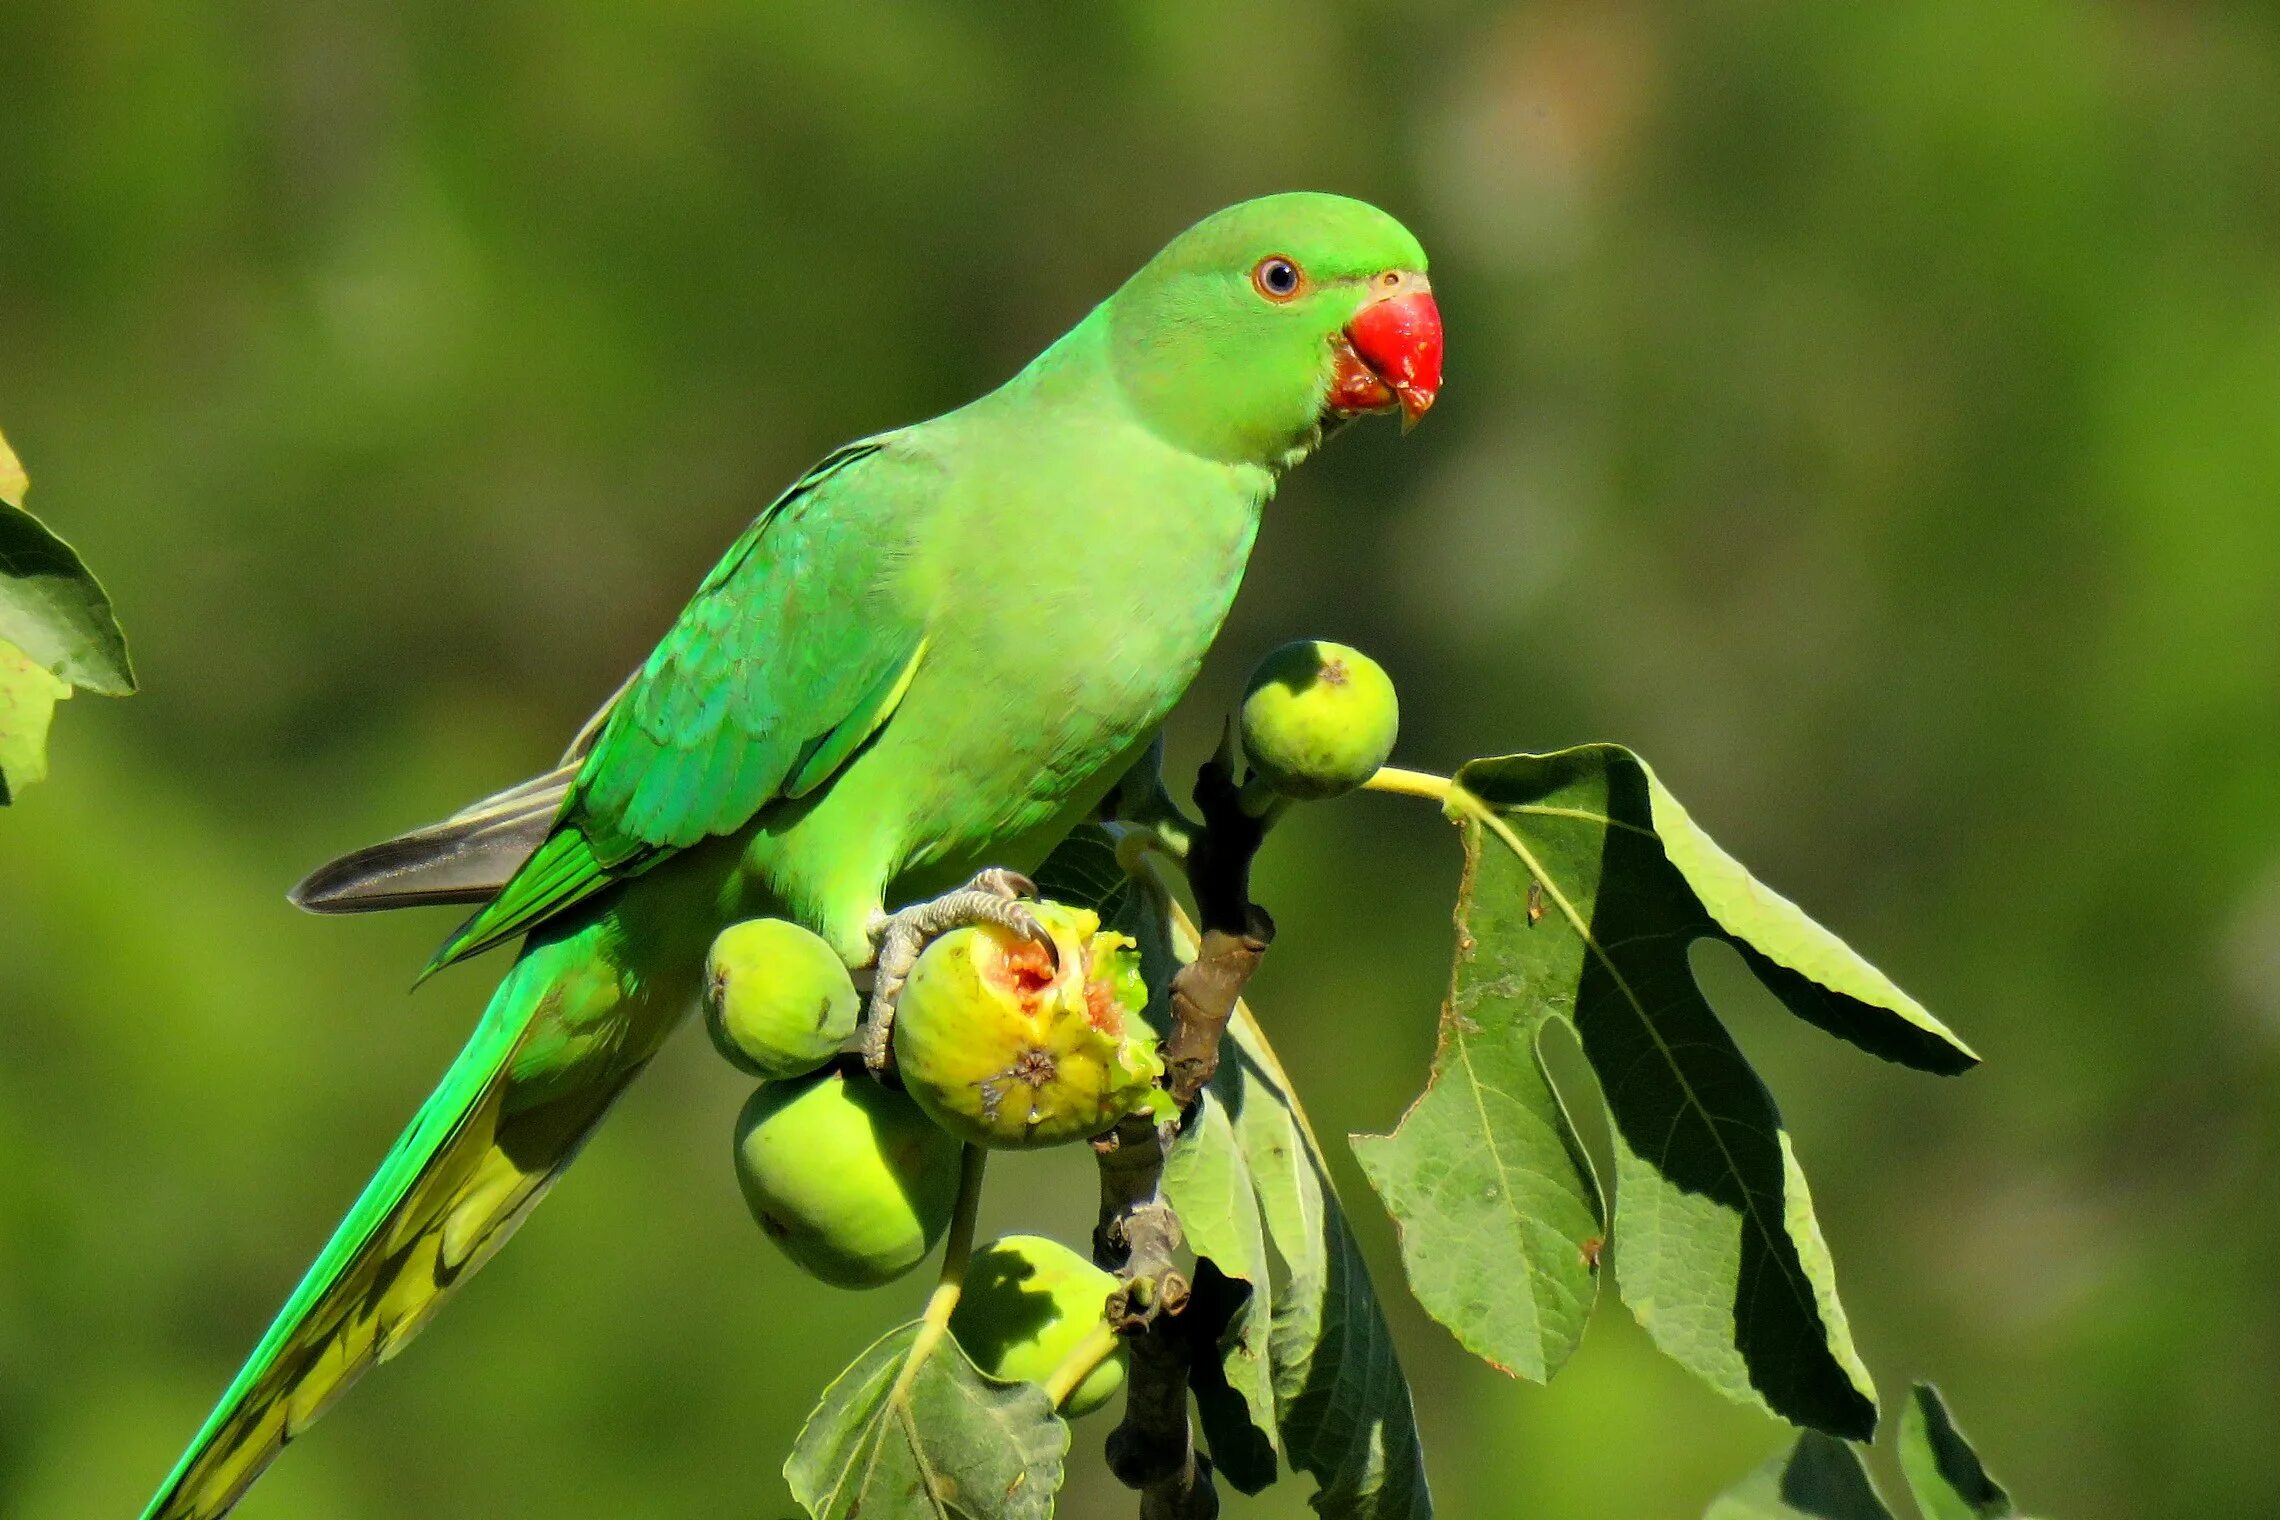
[[1073, 572]]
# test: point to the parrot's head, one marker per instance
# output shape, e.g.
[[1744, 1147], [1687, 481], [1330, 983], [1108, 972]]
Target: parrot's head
[[1267, 322]]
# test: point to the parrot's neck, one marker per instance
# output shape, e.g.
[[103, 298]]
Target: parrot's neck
[[1081, 370]]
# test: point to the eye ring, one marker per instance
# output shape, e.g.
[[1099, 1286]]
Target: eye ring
[[1278, 279]]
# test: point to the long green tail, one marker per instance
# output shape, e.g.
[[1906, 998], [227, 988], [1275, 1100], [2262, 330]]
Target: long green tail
[[481, 1151]]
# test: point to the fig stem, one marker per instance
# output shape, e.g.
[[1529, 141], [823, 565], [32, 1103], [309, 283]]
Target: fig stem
[[1402, 783], [957, 1251], [1262, 801], [1098, 1346]]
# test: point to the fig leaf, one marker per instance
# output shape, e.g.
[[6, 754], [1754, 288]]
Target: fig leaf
[[953, 1445], [1586, 883]]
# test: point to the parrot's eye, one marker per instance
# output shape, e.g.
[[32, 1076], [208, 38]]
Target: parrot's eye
[[1277, 278]]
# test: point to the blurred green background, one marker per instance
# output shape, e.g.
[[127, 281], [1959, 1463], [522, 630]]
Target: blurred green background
[[1867, 412]]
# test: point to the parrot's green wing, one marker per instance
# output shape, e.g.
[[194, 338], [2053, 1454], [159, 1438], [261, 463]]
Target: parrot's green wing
[[790, 656]]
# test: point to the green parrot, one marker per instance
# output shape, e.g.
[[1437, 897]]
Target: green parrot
[[921, 665]]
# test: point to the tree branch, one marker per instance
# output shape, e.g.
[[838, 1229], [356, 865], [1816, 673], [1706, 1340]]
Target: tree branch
[[1235, 931], [1153, 1450]]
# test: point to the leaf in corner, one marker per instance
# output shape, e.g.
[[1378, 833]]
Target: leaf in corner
[[1818, 1478], [1942, 1470], [958, 1445], [56, 632]]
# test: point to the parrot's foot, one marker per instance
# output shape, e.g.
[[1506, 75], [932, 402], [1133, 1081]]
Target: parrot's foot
[[992, 897]]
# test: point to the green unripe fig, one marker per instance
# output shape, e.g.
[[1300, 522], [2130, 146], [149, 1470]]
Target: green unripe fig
[[849, 1178], [778, 1000], [1318, 719], [1027, 1304], [1002, 1046]]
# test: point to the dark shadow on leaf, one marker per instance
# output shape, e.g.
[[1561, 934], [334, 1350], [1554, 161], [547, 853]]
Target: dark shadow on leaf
[[1824, 1479], [1680, 1095], [1241, 1452], [1954, 1463]]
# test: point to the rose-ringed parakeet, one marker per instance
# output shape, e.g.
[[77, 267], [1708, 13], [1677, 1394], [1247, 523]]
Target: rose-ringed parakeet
[[929, 658]]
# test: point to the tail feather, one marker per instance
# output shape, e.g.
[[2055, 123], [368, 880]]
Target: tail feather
[[471, 1165], [465, 858]]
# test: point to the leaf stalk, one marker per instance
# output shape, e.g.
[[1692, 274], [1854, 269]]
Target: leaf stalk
[[957, 1252]]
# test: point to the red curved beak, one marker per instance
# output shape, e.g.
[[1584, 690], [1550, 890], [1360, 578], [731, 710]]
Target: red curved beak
[[1392, 354]]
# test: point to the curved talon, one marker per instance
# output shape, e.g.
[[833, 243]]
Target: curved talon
[[1003, 882]]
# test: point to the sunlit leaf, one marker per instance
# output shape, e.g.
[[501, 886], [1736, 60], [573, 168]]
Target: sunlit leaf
[[1942, 1470], [1818, 1478], [956, 1444], [1498, 1208], [1586, 885], [28, 696]]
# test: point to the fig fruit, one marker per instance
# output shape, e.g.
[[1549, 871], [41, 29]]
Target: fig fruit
[[778, 1001], [849, 1178], [1318, 719], [1028, 1303], [1003, 1046]]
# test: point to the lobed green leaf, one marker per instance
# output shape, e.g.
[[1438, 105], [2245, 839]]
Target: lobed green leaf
[[1585, 885], [1498, 1209], [956, 1443]]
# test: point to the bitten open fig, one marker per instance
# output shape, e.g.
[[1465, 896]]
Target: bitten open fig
[[1028, 1303], [1002, 1046], [778, 1001], [849, 1178], [1318, 719]]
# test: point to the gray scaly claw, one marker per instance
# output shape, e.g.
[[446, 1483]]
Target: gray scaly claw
[[992, 897]]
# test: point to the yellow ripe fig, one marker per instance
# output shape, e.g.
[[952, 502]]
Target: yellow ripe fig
[[1002, 1046], [1318, 719], [850, 1179], [778, 1001], [1028, 1303]]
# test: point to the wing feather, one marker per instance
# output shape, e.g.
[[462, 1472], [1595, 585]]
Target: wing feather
[[793, 652]]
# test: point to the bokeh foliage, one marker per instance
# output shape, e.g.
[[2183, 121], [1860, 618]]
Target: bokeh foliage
[[1862, 411]]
